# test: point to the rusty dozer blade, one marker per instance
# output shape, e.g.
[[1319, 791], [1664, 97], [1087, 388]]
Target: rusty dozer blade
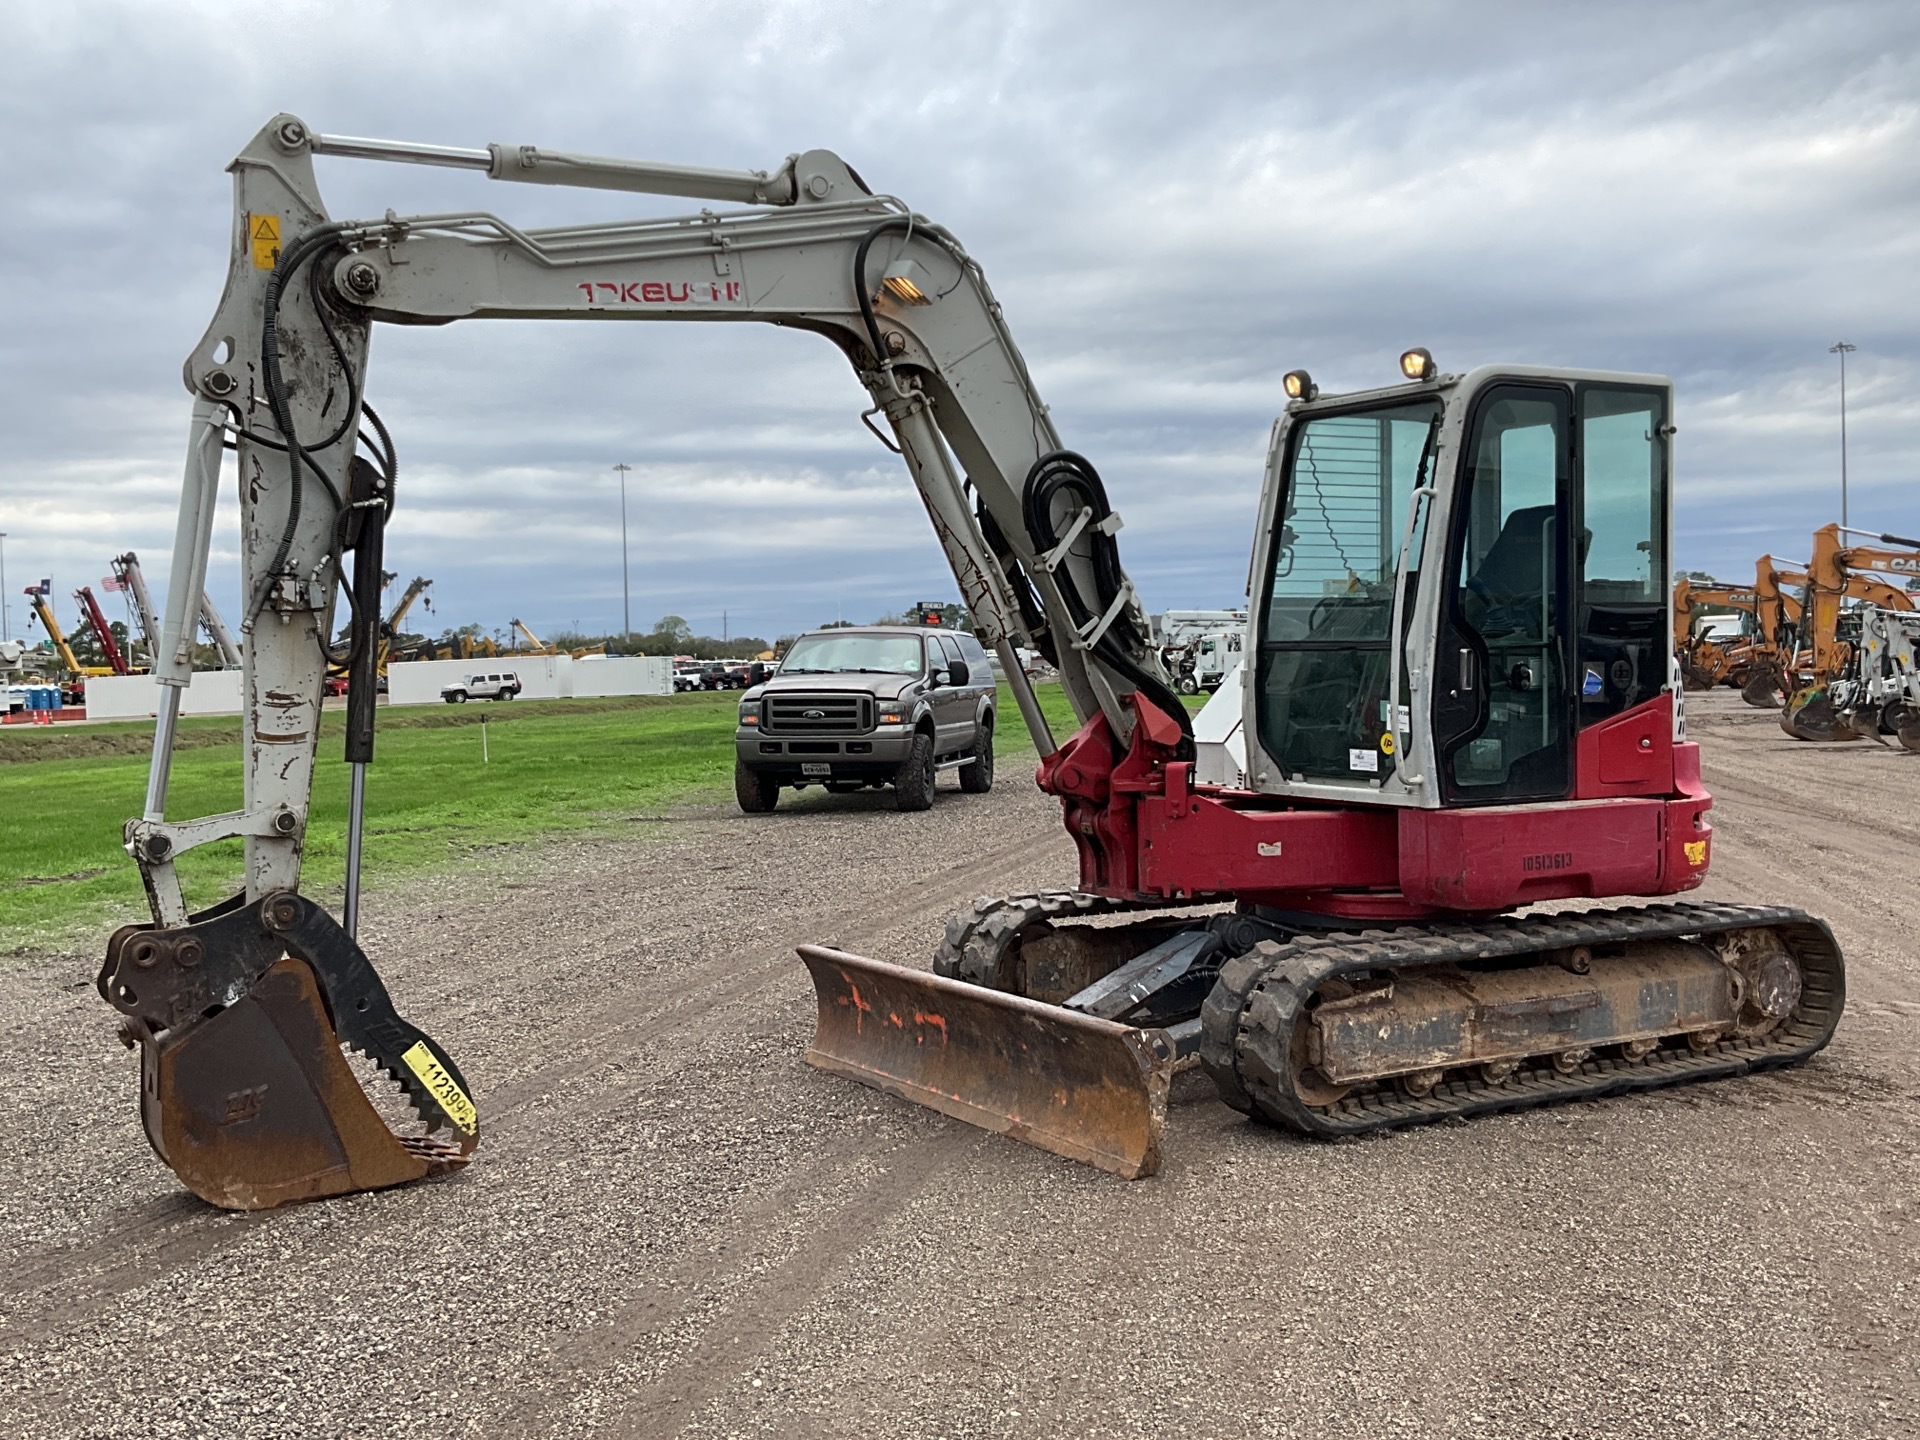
[[240, 1016], [1089, 1089]]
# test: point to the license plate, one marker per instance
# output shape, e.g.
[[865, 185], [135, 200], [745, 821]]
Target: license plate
[[816, 767]]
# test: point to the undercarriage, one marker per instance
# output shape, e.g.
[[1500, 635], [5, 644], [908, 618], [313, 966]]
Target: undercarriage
[[1331, 1029]]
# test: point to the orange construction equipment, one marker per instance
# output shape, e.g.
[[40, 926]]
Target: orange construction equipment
[[1833, 575], [1705, 662]]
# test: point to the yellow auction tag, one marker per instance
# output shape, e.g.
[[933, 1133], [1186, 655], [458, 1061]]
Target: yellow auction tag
[[263, 235], [1386, 743], [443, 1086], [1696, 851]]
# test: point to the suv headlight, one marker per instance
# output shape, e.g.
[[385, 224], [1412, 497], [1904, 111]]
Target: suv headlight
[[890, 712], [750, 714]]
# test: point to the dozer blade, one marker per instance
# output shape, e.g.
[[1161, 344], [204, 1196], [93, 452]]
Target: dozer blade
[[1085, 1088], [241, 1017]]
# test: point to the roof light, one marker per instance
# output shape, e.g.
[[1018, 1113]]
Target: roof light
[[902, 282], [1417, 364], [1299, 385]]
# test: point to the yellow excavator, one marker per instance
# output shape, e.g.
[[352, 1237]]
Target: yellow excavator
[[1836, 573], [1706, 662]]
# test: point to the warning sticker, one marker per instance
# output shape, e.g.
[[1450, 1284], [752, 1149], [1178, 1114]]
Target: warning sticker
[[443, 1086], [263, 236], [1366, 760]]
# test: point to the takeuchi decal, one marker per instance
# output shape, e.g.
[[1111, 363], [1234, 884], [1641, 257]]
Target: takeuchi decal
[[662, 292]]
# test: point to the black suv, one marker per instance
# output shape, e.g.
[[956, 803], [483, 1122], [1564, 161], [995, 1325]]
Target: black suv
[[856, 708]]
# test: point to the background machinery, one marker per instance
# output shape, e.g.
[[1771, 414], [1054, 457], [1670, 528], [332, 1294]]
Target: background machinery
[[1459, 701], [97, 621], [1707, 659], [129, 577], [37, 598], [1838, 572]]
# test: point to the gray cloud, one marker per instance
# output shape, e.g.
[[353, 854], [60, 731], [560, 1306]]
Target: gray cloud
[[1175, 206]]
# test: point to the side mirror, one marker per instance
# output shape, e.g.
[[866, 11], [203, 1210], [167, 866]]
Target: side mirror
[[957, 673]]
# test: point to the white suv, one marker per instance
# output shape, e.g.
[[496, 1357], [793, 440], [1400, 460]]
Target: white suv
[[502, 686]]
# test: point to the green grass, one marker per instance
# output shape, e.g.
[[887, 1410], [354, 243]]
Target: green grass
[[555, 766]]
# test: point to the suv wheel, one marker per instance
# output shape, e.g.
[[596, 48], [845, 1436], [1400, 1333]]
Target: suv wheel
[[757, 792], [977, 778], [913, 781], [459, 697]]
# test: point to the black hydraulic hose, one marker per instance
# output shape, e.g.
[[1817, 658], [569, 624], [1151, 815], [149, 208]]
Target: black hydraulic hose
[[1063, 472], [1050, 474], [892, 222], [291, 259]]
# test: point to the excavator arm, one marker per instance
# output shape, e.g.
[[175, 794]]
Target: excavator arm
[[246, 1004]]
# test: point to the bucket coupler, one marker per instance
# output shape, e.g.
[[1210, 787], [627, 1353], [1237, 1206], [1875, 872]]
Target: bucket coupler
[[240, 1017]]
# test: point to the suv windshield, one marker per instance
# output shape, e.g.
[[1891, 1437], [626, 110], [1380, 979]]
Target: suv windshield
[[826, 654]]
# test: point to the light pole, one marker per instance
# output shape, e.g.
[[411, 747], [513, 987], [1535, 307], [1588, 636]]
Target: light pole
[[1843, 349], [6, 631], [626, 597]]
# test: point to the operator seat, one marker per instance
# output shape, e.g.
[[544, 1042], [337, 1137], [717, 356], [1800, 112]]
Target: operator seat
[[1503, 593]]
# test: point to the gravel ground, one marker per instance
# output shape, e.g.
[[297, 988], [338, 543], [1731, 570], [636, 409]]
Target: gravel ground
[[674, 1227]]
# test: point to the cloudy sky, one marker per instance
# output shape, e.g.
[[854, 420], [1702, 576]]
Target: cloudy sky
[[1175, 203]]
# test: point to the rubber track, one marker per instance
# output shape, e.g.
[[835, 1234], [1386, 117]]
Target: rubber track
[[979, 937], [1248, 1021]]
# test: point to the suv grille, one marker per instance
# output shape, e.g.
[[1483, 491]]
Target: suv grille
[[818, 714]]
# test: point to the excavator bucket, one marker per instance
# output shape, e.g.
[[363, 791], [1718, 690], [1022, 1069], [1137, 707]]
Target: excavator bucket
[[1909, 729], [1762, 690], [1089, 1089], [246, 1093], [1812, 715]]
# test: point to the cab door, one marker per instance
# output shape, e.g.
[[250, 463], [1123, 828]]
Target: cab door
[[1503, 701]]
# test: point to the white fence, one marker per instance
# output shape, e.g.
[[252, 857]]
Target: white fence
[[137, 697], [413, 682], [624, 675], [419, 682]]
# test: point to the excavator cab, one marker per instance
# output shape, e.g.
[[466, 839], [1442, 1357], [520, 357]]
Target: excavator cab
[[1492, 549]]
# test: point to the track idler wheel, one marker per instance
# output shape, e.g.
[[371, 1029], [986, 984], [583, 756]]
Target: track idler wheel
[[246, 1093]]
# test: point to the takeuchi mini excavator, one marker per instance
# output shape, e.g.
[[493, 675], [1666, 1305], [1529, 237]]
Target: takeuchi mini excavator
[[1460, 702]]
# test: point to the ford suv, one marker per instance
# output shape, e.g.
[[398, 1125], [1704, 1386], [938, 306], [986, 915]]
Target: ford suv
[[879, 705]]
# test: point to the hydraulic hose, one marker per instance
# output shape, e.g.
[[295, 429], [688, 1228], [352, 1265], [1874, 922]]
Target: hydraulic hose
[[291, 259], [1062, 472]]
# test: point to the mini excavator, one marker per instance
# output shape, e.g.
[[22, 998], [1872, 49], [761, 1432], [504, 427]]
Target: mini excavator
[[1460, 702]]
